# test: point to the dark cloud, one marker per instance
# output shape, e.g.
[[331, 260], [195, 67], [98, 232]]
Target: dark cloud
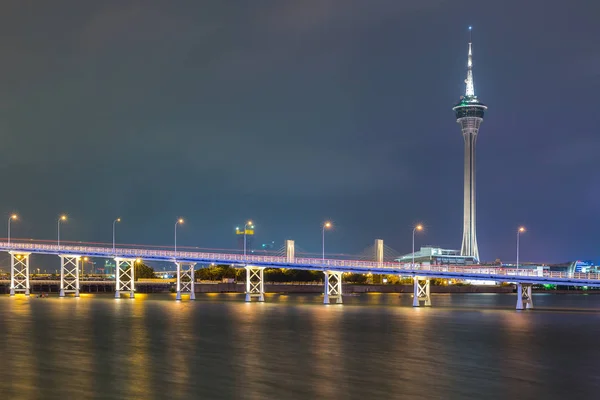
[[290, 112]]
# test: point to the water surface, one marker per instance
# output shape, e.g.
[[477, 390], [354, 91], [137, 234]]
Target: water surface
[[292, 347]]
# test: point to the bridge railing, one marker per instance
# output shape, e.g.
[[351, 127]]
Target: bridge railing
[[278, 261]]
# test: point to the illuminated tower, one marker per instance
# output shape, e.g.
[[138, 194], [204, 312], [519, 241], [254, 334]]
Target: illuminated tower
[[469, 114]]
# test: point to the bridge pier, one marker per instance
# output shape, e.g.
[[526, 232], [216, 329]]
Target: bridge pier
[[333, 287], [69, 274], [255, 284], [524, 296], [421, 291], [185, 279], [19, 273], [290, 251], [125, 276], [378, 278]]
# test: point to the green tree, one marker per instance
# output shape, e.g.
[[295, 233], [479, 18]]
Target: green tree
[[355, 278], [395, 280], [217, 272], [143, 271]]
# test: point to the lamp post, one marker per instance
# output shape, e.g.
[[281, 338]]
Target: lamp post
[[179, 221], [246, 225], [519, 231], [326, 225], [61, 218], [416, 228], [114, 223], [14, 216], [83, 261]]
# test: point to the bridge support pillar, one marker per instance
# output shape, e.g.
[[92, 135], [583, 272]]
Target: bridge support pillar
[[333, 287], [19, 273], [69, 274], [290, 251], [255, 285], [185, 279], [421, 291], [125, 276], [378, 278], [524, 297]]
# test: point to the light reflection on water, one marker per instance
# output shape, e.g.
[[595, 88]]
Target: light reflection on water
[[293, 347]]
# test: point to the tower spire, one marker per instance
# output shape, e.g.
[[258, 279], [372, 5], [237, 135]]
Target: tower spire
[[470, 92]]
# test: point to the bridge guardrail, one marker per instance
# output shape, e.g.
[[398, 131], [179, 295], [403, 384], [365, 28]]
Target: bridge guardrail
[[278, 261]]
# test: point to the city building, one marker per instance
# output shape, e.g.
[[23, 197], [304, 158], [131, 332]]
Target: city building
[[109, 267], [430, 255], [469, 115], [568, 267]]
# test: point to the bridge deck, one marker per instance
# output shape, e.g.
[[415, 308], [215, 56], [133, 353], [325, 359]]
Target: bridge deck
[[317, 264]]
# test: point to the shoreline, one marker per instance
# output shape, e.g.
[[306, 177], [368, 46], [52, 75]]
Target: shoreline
[[348, 289]]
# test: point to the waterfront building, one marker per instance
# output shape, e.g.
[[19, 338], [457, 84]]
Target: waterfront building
[[430, 255]]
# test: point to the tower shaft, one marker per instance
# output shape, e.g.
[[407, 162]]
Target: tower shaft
[[470, 128]]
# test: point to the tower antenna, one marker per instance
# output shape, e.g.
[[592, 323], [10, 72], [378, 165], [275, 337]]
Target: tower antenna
[[470, 89]]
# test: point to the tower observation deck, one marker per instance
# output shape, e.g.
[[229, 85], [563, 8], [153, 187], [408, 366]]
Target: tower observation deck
[[469, 114]]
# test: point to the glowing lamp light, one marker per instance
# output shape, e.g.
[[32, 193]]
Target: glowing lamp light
[[522, 229], [138, 260], [14, 216], [470, 27], [327, 225], [180, 220], [63, 217], [419, 227]]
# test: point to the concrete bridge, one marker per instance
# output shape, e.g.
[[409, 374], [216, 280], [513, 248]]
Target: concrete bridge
[[333, 269]]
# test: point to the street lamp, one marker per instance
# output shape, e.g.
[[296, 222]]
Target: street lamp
[[416, 228], [326, 225], [83, 261], [14, 216], [179, 221], [246, 225], [61, 218], [114, 223], [519, 231]]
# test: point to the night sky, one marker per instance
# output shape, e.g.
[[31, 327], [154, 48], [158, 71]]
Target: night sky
[[294, 112]]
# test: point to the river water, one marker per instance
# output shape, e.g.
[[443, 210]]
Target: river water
[[375, 346]]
